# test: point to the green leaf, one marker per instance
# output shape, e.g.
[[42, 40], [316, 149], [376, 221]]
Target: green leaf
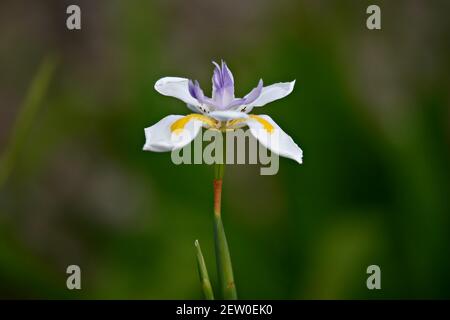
[[203, 272]]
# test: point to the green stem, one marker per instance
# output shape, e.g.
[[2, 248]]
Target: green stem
[[203, 272], [223, 259]]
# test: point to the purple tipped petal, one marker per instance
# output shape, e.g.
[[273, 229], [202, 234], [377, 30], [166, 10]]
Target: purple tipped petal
[[254, 94], [195, 91], [216, 79], [249, 98], [235, 103], [223, 85], [228, 79], [191, 88], [222, 76], [223, 91]]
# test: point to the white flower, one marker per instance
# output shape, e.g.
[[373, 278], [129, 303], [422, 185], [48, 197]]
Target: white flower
[[222, 111]]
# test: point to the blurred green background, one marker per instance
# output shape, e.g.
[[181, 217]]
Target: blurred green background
[[370, 110]]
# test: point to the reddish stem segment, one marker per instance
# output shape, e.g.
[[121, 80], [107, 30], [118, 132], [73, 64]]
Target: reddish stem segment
[[217, 196]]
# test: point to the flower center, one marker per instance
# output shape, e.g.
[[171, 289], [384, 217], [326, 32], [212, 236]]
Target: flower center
[[181, 123]]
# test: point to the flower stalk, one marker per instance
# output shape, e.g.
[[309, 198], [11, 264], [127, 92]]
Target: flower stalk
[[223, 259]]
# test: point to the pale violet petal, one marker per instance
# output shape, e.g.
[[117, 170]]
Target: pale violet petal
[[196, 92], [161, 138], [271, 136], [242, 103], [253, 95], [223, 86], [227, 115], [177, 88], [273, 92]]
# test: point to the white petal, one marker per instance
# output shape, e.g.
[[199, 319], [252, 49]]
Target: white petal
[[160, 137], [177, 88], [274, 139], [227, 115], [273, 92]]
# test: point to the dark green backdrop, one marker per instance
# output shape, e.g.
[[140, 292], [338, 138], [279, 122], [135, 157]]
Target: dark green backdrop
[[370, 110]]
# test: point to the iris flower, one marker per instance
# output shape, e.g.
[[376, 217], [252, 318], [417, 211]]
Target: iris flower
[[222, 111]]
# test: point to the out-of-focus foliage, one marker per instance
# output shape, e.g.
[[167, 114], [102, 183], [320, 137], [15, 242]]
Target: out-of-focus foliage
[[370, 110]]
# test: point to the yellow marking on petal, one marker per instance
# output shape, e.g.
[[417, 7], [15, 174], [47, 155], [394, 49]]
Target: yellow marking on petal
[[266, 124], [182, 122]]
